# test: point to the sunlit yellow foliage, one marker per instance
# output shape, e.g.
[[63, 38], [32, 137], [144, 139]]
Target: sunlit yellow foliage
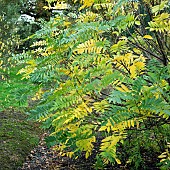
[[28, 69], [89, 46], [86, 145], [160, 23], [86, 3], [131, 64], [100, 106], [88, 17]]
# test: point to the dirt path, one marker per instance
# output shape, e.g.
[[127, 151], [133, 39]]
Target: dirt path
[[43, 158]]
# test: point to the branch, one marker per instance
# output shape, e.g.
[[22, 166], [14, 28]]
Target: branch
[[165, 59], [148, 42], [142, 48]]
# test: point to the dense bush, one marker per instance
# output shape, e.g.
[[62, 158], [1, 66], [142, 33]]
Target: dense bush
[[105, 67]]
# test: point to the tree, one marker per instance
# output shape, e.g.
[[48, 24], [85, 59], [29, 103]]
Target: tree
[[13, 28], [107, 69], [9, 39]]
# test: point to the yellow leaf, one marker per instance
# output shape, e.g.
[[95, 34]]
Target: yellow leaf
[[108, 129], [148, 37], [125, 88], [70, 154], [163, 155], [140, 65], [163, 83], [107, 139], [129, 123], [103, 128], [120, 89], [46, 7], [63, 154], [137, 124], [132, 123], [67, 23], [137, 51], [123, 38], [162, 160], [61, 5], [118, 161], [86, 3], [133, 71], [137, 23], [87, 154], [93, 139]]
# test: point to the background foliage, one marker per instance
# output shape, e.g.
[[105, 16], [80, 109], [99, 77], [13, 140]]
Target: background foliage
[[17, 135]]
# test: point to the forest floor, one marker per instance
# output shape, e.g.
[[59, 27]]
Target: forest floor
[[23, 147], [44, 158]]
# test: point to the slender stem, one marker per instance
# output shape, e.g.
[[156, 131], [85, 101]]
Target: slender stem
[[165, 59], [136, 40], [148, 42], [144, 49]]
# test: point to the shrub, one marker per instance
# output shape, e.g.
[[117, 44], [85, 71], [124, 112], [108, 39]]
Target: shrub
[[106, 67]]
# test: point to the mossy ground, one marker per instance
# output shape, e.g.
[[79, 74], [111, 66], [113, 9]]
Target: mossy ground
[[17, 137]]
